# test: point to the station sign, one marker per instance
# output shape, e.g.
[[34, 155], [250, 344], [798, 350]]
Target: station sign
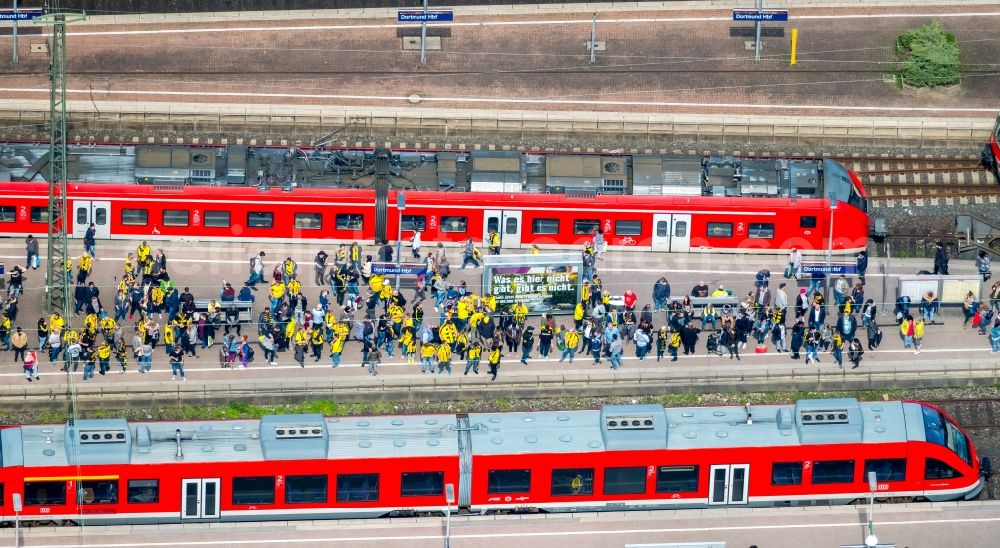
[[420, 16], [773, 16], [834, 269], [411, 269], [19, 15]]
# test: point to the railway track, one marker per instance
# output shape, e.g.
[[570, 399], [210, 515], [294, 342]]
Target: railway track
[[925, 181]]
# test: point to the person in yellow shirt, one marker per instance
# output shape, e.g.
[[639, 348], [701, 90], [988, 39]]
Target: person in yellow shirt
[[142, 252], [316, 341], [520, 313], [301, 340], [918, 335], [535, 250], [104, 357], [277, 293], [570, 341], [578, 314], [496, 352], [444, 359], [336, 348], [472, 357], [427, 353], [86, 262]]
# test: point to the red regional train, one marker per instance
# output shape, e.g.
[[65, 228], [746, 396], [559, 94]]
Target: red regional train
[[625, 457], [991, 152], [737, 205]]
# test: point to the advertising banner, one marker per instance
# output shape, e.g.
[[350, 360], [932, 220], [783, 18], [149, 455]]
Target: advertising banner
[[544, 283]]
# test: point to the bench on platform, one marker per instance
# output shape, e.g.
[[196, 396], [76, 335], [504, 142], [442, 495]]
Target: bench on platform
[[699, 303], [245, 308]]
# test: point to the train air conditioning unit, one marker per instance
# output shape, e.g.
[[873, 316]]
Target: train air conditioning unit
[[614, 175]]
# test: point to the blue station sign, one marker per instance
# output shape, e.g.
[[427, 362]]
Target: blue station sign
[[411, 269], [420, 16], [835, 269], [19, 15], [771, 16]]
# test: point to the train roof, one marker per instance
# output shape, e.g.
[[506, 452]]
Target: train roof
[[630, 427], [273, 437], [294, 169], [613, 428]]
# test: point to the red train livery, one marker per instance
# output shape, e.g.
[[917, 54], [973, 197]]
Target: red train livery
[[319, 215], [618, 458], [991, 152]]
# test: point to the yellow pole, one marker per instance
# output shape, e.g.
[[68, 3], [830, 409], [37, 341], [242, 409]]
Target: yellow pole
[[795, 39]]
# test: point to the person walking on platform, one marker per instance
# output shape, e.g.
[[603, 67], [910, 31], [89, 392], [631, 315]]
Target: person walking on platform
[[794, 268], [496, 352], [30, 363], [31, 249], [177, 364], [615, 352], [854, 353], [527, 342], [494, 241], [256, 271], [90, 241], [444, 358], [470, 254]]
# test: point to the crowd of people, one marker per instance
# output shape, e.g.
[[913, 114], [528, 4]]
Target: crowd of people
[[353, 305]]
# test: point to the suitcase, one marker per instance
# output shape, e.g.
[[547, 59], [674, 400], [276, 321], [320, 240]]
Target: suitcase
[[878, 338]]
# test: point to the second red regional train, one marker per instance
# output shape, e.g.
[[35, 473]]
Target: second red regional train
[[624, 457], [711, 205], [991, 152]]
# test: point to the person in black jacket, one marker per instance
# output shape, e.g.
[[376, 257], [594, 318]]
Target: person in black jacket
[[689, 338], [527, 342], [940, 259], [798, 334]]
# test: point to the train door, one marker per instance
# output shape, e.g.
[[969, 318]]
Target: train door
[[728, 484], [200, 498], [672, 232], [506, 223], [86, 212]]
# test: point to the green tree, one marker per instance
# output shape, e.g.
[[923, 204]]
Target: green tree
[[930, 56]]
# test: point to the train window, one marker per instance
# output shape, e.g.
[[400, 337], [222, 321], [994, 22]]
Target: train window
[[545, 226], [511, 227], [422, 484], [39, 214], [44, 493], [720, 230], [585, 226], [310, 220], [628, 480], [357, 487], [300, 489], [81, 215], [143, 491], [833, 471], [662, 229], [761, 230], [99, 492], [135, 217], [786, 473], [628, 228], [414, 222], [176, 217], [573, 481], [492, 224], [350, 221], [508, 481], [680, 229], [217, 219], [7, 214], [253, 490], [676, 479], [1, 495], [454, 223], [935, 470], [886, 469], [260, 219], [807, 221]]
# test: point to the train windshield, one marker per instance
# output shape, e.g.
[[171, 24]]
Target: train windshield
[[857, 200], [939, 430]]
